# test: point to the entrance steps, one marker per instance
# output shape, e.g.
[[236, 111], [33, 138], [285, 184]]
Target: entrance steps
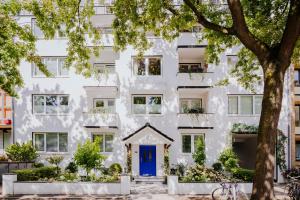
[[148, 179], [148, 185]]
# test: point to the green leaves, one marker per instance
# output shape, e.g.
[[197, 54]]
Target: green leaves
[[24, 152]]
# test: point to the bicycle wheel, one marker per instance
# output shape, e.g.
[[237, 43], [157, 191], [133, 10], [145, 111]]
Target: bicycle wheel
[[221, 194]]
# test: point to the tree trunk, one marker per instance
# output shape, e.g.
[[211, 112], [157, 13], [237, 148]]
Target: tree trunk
[[265, 153]]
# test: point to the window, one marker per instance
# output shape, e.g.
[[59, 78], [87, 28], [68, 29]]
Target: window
[[190, 68], [104, 105], [102, 68], [189, 142], [149, 66], [297, 77], [55, 65], [147, 104], [297, 115], [106, 141], [51, 142], [297, 150], [50, 104], [244, 104], [191, 106], [232, 60], [37, 32]]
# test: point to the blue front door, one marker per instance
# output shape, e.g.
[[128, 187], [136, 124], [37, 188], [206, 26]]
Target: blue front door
[[147, 160]]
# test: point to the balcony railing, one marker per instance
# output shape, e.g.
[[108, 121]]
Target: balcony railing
[[196, 119], [100, 119]]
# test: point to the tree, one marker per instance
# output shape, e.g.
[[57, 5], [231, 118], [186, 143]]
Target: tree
[[70, 18], [88, 155], [267, 33], [199, 154], [55, 160]]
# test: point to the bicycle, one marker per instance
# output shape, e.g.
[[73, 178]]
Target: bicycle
[[229, 191], [293, 187]]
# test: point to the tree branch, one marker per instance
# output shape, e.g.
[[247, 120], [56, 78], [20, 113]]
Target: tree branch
[[291, 34], [207, 24], [242, 32]]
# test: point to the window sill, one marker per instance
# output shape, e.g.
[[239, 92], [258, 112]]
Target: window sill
[[42, 114], [147, 115], [52, 153]]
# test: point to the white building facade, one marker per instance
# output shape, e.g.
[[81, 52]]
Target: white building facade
[[167, 100]]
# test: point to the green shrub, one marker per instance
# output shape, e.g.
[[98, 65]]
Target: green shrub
[[199, 173], [199, 154], [243, 174], [36, 174], [231, 163], [37, 165], [115, 169], [88, 155], [229, 159], [55, 160], [71, 168], [217, 166], [21, 152], [68, 177]]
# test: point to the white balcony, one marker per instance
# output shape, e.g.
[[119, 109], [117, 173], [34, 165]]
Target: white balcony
[[189, 38], [196, 120], [99, 120], [195, 79]]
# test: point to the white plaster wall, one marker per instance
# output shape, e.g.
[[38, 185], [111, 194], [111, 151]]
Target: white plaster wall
[[128, 84]]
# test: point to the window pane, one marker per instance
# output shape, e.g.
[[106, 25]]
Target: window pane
[[52, 143], [111, 106], [39, 144], [36, 30], [63, 71], [139, 67], [101, 141], [196, 106], [257, 104], [6, 139], [51, 104], [109, 143], [154, 66], [297, 77], [246, 105], [186, 144], [184, 108], [139, 105], [232, 105], [63, 142], [154, 105], [183, 68], [196, 139], [297, 115], [64, 104], [99, 103], [51, 64], [297, 150], [38, 104], [196, 68]]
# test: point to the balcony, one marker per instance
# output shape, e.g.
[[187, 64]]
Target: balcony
[[100, 120], [205, 120]]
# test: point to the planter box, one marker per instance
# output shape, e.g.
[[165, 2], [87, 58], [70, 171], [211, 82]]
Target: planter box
[[12, 187], [175, 187]]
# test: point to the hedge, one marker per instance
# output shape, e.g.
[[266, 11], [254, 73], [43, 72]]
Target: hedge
[[35, 174], [243, 174]]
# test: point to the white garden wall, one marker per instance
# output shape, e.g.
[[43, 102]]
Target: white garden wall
[[175, 187], [12, 187]]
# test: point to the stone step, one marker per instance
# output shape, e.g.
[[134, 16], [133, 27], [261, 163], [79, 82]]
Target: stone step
[[149, 179], [148, 188]]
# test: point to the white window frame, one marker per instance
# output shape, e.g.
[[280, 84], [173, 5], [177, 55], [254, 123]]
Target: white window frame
[[239, 105], [105, 101], [192, 141], [58, 75], [103, 141], [189, 100], [45, 141], [146, 59], [57, 107], [147, 105], [109, 67]]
